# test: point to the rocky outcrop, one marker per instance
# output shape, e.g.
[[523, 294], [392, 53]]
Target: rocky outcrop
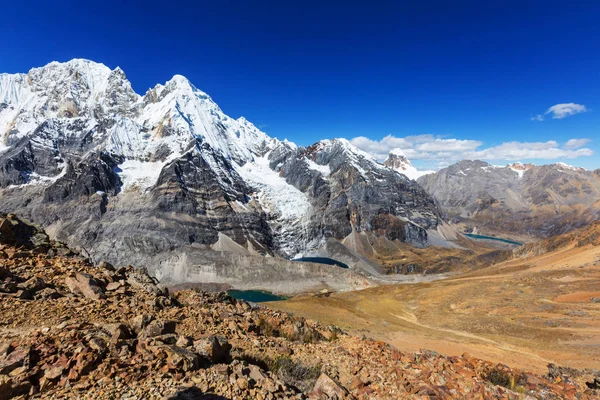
[[141, 341], [536, 201]]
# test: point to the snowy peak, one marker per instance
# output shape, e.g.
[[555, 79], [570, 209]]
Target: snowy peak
[[398, 161], [519, 168], [177, 113], [162, 124], [564, 166], [78, 88]]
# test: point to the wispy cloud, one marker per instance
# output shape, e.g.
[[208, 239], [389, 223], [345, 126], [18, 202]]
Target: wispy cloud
[[576, 143], [538, 117], [560, 111], [437, 151]]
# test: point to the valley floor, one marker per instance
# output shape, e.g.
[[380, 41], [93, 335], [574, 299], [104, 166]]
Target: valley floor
[[525, 313]]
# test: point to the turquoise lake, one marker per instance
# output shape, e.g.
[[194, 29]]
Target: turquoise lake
[[255, 296], [475, 236]]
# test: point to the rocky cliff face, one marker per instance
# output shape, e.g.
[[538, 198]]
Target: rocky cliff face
[[538, 201], [143, 179]]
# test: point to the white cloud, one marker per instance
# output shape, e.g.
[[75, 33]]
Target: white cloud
[[515, 151], [435, 152], [560, 111], [576, 143], [419, 147], [538, 117]]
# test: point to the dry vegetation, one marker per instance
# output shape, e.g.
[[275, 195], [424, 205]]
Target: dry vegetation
[[541, 306]]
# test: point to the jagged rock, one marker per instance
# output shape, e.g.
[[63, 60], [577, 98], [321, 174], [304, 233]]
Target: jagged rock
[[184, 341], [54, 372], [157, 328], [141, 280], [32, 285], [23, 294], [107, 266], [84, 284], [180, 358], [5, 348], [48, 294], [19, 357], [113, 286], [214, 348], [73, 347], [327, 388], [140, 322], [118, 333]]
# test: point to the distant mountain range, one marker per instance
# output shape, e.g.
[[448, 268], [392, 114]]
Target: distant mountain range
[[534, 201]]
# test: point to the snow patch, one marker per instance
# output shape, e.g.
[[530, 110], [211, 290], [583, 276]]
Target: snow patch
[[139, 174], [519, 172], [35, 179], [275, 195], [569, 167], [325, 170]]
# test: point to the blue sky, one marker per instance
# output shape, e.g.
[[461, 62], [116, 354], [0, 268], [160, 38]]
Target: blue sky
[[459, 79]]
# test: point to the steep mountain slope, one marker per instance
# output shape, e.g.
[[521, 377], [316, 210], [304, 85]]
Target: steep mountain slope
[[536, 201], [166, 178]]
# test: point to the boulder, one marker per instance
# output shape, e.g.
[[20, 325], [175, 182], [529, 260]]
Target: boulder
[[113, 286], [19, 357], [107, 266], [180, 358], [86, 285], [33, 285], [140, 322], [326, 386], [157, 328], [213, 348], [141, 280]]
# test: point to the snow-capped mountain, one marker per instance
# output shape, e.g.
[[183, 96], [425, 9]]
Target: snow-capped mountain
[[398, 161], [517, 199], [159, 176]]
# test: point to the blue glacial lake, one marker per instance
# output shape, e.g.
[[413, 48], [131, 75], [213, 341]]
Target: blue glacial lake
[[474, 236], [322, 260], [255, 296]]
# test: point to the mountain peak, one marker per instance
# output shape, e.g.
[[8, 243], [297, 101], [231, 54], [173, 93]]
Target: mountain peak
[[398, 161], [397, 152]]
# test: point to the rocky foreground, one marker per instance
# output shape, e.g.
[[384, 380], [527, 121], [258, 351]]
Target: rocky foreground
[[69, 329]]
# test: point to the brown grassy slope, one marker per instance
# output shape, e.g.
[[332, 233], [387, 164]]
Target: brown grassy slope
[[528, 311]]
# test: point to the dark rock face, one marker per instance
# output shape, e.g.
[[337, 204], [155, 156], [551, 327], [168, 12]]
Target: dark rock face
[[538, 201], [354, 193]]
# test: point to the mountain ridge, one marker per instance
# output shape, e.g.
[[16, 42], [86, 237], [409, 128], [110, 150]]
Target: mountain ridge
[[83, 153], [529, 200]]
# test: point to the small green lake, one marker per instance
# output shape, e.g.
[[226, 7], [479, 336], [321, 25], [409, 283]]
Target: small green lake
[[475, 236], [255, 296]]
